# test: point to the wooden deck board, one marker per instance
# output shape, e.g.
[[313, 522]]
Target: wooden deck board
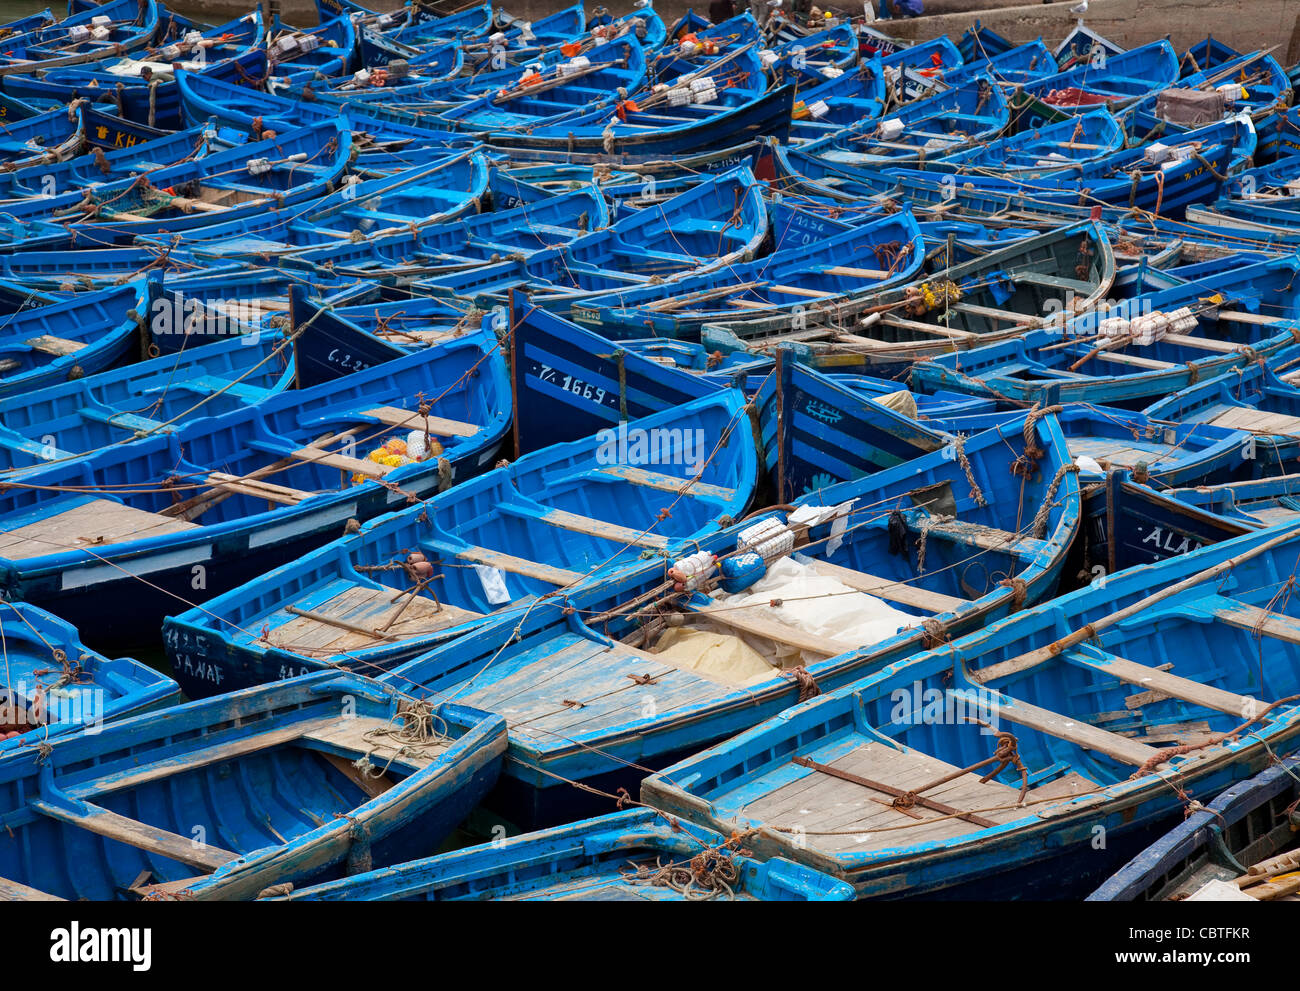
[[348, 735], [821, 802], [371, 608], [91, 524], [1259, 421]]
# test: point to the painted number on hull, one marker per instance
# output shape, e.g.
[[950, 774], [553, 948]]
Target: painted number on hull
[[576, 386], [346, 361]]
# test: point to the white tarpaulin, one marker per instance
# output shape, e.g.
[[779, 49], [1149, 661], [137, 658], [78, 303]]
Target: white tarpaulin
[[810, 603]]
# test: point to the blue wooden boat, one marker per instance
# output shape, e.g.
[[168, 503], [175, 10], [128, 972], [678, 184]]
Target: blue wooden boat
[[514, 43], [851, 264], [440, 191], [552, 520], [54, 684], [819, 55], [709, 226], [1082, 44], [236, 494], [1253, 503], [1253, 84], [40, 140], [887, 770], [1244, 840], [240, 182], [1132, 177], [973, 113], [638, 855], [980, 42], [702, 38], [913, 71], [994, 296], [1066, 145], [569, 382], [91, 332], [1015, 66], [119, 26], [1127, 523], [1167, 454], [1252, 398], [30, 23], [1114, 79], [143, 89], [127, 160], [817, 431], [537, 223], [825, 106], [1250, 316], [377, 50], [227, 797], [192, 307], [638, 35], [670, 131], [680, 698], [250, 111], [68, 419]]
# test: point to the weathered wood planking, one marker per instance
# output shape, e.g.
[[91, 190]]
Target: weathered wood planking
[[99, 521], [141, 835], [372, 608]]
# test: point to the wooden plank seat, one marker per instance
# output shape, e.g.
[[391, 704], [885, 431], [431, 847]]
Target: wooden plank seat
[[394, 416], [114, 418], [1202, 343], [1157, 680], [140, 835], [892, 591], [519, 566], [1136, 361], [15, 891], [1072, 730], [57, 346], [1261, 319], [257, 488], [215, 753], [986, 537], [357, 466], [600, 528], [1244, 616], [934, 330], [1084, 289], [666, 483]]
